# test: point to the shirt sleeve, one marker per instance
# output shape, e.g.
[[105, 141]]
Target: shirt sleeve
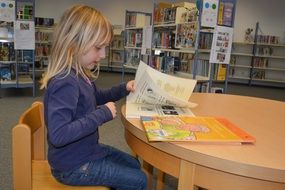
[[113, 94], [63, 127]]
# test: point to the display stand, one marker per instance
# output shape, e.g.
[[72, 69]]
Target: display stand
[[222, 38]]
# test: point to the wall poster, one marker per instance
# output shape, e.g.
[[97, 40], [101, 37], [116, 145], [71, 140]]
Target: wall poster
[[209, 13], [221, 45], [24, 35], [7, 11]]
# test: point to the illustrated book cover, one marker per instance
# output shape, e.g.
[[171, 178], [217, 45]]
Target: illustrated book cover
[[159, 94], [196, 129]]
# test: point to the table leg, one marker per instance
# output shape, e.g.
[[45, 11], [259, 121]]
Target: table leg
[[148, 169], [186, 176], [160, 180]]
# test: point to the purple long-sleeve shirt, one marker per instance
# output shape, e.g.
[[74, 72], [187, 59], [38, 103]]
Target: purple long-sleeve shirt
[[73, 111]]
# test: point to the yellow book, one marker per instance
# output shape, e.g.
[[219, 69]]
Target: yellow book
[[221, 13], [222, 70]]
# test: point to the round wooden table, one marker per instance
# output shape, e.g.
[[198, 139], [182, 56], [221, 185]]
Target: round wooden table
[[257, 166]]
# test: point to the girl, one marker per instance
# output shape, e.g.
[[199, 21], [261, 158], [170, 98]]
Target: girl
[[75, 108]]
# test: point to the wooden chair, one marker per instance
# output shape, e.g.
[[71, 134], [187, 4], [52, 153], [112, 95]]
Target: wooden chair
[[30, 167]]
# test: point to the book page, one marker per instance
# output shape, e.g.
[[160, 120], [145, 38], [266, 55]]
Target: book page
[[154, 87], [159, 94], [138, 110]]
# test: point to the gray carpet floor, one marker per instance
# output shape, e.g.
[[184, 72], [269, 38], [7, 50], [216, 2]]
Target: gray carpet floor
[[14, 101]]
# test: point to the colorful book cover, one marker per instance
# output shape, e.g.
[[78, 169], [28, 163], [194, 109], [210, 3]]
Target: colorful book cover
[[196, 129]]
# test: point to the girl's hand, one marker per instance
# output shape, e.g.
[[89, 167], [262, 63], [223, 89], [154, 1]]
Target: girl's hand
[[112, 108], [131, 86]]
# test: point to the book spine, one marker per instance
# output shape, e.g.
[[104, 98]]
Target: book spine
[[220, 13]]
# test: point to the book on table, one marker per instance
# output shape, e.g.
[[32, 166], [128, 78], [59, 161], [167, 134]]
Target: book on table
[[195, 129], [159, 94]]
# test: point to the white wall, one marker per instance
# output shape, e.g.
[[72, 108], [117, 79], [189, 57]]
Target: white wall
[[114, 10], [269, 14]]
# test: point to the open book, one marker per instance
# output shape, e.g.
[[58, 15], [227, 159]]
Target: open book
[[159, 94], [196, 129]]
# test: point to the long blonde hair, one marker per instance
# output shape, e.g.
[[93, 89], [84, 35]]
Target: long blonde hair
[[80, 28]]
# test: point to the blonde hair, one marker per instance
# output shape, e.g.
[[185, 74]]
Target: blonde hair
[[80, 28]]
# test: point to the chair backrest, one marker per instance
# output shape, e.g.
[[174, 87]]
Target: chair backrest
[[28, 143]]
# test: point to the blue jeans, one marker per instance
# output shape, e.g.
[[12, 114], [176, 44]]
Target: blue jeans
[[117, 170]]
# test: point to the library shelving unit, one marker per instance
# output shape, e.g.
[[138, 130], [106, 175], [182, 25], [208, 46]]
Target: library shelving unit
[[7, 57], [174, 41], [260, 62], [240, 63], [218, 68], [268, 60], [181, 43], [116, 52], [17, 68], [43, 40], [135, 23]]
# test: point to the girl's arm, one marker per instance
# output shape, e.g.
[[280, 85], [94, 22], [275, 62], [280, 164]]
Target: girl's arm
[[113, 94]]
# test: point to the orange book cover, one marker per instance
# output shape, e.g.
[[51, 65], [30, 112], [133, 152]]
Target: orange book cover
[[196, 129]]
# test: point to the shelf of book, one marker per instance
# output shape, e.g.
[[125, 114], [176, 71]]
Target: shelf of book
[[240, 63], [21, 82], [43, 37], [259, 61], [189, 50], [174, 38], [3, 39], [17, 65], [135, 48], [135, 23], [268, 60]]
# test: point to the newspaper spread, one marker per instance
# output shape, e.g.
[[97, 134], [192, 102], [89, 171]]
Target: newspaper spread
[[159, 94]]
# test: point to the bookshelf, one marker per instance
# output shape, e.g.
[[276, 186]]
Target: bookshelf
[[17, 68], [216, 30], [268, 60], [43, 40], [259, 62], [116, 52], [43, 37], [240, 63], [174, 38], [135, 23]]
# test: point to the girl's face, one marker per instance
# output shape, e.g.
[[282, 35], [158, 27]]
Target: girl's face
[[91, 58]]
